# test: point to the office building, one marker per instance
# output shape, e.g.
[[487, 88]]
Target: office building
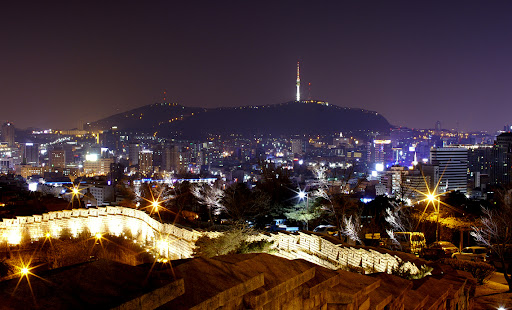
[[97, 166], [31, 154], [146, 162], [298, 146], [103, 194], [57, 159], [133, 153], [8, 133], [453, 168], [380, 151], [502, 159]]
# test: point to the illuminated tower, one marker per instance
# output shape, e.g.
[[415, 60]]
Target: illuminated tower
[[8, 133], [298, 82]]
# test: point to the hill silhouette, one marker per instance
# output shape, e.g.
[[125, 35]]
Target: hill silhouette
[[290, 118]]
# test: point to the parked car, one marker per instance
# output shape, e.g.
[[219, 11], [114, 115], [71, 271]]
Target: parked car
[[412, 242], [439, 249], [326, 230], [472, 253], [281, 225]]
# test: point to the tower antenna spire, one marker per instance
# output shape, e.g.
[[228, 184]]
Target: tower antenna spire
[[298, 81]]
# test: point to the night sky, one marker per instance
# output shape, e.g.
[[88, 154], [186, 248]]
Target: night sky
[[415, 62]]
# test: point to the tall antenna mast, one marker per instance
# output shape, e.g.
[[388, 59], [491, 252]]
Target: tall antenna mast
[[298, 82]]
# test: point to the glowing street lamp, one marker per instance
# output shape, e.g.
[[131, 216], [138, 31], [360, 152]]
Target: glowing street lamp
[[433, 198], [76, 192], [98, 236], [155, 205], [24, 271]]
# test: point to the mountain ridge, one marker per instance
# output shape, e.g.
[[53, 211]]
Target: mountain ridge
[[304, 117]]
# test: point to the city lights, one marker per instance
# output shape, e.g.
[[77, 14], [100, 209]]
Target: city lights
[[412, 152]]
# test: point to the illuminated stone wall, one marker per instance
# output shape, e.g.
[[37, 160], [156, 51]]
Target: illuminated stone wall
[[167, 239], [175, 242], [315, 249]]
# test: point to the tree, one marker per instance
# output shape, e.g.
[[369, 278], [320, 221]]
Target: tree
[[241, 203], [495, 230], [275, 183], [375, 212], [302, 212], [342, 208], [211, 197], [399, 218]]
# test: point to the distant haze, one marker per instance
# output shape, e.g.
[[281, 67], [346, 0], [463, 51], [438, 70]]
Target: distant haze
[[414, 62]]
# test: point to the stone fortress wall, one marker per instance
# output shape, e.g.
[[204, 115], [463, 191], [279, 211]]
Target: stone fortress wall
[[176, 242]]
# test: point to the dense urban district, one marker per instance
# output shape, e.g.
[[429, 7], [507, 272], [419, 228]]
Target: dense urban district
[[177, 192]]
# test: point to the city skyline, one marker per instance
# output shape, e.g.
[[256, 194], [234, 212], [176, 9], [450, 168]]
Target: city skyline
[[413, 63]]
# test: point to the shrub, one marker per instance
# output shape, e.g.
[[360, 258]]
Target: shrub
[[402, 272], [232, 241], [226, 243], [261, 246], [355, 269], [481, 271]]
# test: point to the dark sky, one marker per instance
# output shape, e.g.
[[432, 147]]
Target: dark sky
[[415, 62]]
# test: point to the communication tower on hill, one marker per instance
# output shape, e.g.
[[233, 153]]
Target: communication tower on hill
[[298, 82]]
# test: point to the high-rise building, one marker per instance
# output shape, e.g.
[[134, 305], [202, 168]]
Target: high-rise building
[[57, 159], [8, 133], [116, 172], [501, 172], [380, 151], [146, 161], [403, 183], [176, 158], [298, 146], [480, 162], [103, 194], [133, 153], [453, 168], [97, 166], [31, 154], [110, 139]]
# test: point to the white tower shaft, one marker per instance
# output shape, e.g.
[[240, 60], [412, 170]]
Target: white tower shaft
[[298, 82]]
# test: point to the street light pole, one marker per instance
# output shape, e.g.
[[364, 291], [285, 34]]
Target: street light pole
[[307, 208], [305, 195], [432, 198], [437, 224]]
